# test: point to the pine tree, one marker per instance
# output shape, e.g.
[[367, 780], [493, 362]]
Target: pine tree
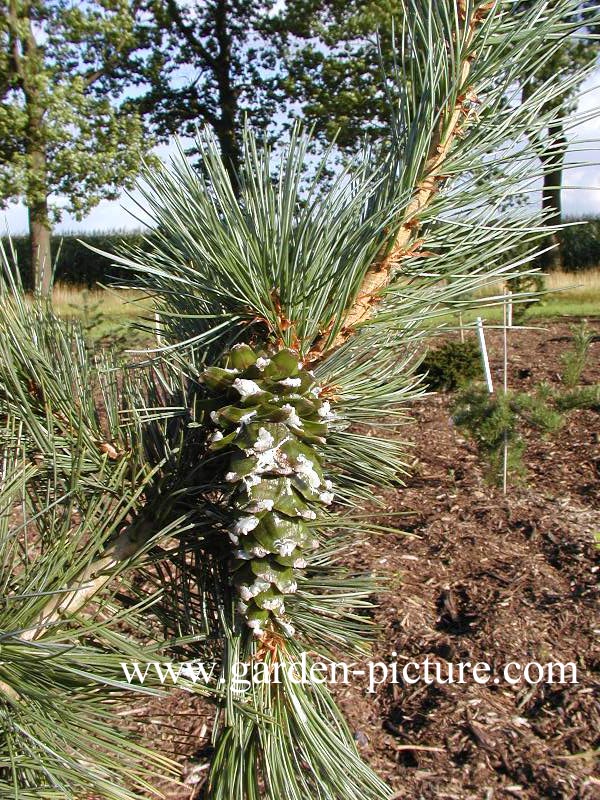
[[331, 51], [233, 458]]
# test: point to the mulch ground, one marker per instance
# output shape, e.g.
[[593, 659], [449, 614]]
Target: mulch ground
[[483, 578]]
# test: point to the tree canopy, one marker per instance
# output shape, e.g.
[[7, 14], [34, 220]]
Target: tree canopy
[[333, 65], [66, 129], [211, 64], [335, 53]]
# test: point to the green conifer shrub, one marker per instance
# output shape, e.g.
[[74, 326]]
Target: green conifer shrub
[[574, 360], [451, 365], [496, 420]]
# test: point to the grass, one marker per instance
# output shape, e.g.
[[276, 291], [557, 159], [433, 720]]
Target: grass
[[103, 313], [117, 304], [576, 281], [574, 294], [569, 294]]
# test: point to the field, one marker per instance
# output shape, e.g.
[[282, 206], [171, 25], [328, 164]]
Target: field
[[475, 576], [568, 294], [103, 313]]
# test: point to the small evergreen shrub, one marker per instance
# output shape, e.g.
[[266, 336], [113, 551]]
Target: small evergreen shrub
[[493, 419], [489, 419], [573, 360], [585, 397], [537, 410], [452, 365]]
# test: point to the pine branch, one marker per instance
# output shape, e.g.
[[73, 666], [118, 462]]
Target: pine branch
[[450, 127], [91, 580], [57, 695]]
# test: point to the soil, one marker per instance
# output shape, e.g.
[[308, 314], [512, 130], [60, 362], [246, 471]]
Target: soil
[[484, 577]]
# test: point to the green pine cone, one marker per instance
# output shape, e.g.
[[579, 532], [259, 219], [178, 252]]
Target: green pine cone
[[268, 419]]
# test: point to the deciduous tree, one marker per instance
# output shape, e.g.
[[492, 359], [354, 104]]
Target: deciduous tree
[[333, 65], [65, 129], [565, 65], [211, 65]]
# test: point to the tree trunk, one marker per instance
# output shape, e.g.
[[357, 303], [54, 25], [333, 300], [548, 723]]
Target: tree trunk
[[551, 260], [550, 151], [231, 152], [226, 129], [37, 192], [552, 161], [41, 252], [551, 199]]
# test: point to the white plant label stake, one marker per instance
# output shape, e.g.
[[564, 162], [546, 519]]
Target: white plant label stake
[[484, 355], [157, 329]]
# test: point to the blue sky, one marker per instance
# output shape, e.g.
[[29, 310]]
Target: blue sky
[[581, 194]]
